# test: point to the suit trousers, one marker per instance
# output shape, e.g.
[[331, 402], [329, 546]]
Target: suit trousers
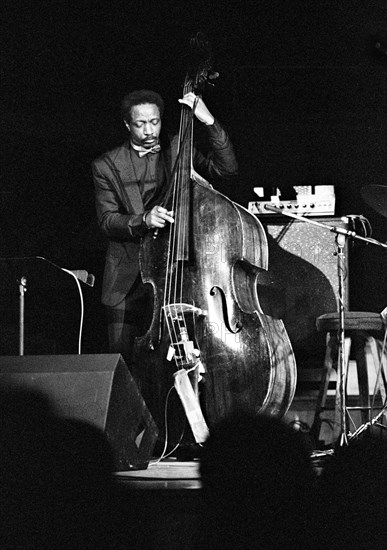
[[129, 319]]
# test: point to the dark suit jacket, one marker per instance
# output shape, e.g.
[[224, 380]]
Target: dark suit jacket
[[120, 213]]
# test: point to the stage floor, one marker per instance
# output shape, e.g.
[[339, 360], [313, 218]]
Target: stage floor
[[165, 474], [181, 475]]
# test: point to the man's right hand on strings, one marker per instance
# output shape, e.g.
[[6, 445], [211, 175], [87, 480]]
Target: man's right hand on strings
[[157, 217]]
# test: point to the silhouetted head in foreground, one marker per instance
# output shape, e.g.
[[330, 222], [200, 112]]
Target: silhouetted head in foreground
[[354, 494], [258, 484], [55, 476]]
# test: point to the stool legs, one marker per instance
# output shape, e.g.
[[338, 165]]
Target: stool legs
[[362, 375], [328, 369], [340, 420], [373, 350], [366, 351], [330, 365]]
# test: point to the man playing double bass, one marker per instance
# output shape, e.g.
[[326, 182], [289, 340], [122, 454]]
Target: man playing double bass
[[129, 184]]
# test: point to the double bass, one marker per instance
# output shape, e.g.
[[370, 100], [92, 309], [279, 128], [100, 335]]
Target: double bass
[[207, 318]]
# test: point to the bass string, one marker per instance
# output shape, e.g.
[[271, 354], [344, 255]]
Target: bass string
[[172, 229], [178, 237]]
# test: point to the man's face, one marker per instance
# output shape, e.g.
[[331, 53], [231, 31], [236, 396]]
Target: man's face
[[145, 125]]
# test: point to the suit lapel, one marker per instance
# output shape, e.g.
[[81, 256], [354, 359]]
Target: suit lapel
[[124, 181], [167, 156]]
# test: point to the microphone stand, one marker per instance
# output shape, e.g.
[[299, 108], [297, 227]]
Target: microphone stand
[[22, 290], [341, 236], [341, 361], [35, 268]]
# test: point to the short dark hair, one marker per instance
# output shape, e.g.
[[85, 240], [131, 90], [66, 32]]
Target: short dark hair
[[139, 97]]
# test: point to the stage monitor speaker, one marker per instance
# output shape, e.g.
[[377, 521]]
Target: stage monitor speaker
[[98, 389], [302, 281]]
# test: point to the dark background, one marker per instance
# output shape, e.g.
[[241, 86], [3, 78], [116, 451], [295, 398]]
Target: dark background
[[302, 91]]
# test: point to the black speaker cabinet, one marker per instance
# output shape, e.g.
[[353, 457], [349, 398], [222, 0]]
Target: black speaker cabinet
[[302, 281], [98, 389]]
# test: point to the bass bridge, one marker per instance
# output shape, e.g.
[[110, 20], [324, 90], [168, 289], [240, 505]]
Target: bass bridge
[[180, 318]]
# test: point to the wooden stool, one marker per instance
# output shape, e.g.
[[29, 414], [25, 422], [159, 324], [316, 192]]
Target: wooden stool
[[358, 326]]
